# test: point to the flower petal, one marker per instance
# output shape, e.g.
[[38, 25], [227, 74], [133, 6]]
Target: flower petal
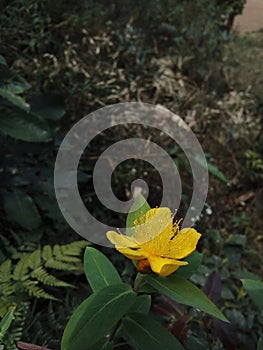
[[164, 266], [121, 240], [132, 253], [181, 245], [126, 245], [158, 223]]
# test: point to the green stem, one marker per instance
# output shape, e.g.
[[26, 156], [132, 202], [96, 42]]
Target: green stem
[[115, 329], [138, 284]]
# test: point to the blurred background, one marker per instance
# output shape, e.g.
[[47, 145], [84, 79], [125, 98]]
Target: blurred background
[[59, 61]]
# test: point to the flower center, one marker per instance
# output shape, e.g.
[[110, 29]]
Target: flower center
[[143, 266]]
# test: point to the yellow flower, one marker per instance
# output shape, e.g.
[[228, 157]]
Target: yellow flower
[[157, 243]]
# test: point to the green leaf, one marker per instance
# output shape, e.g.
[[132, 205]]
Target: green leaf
[[255, 291], [96, 316], [217, 173], [48, 106], [194, 261], [142, 304], [103, 344], [146, 333], [49, 206], [17, 86], [23, 126], [6, 322], [138, 209], [21, 209], [184, 292], [2, 60], [99, 271], [212, 169], [14, 99]]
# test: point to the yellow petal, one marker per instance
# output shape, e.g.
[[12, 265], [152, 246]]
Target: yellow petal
[[158, 222], [182, 245], [126, 245], [120, 240], [164, 266], [132, 253]]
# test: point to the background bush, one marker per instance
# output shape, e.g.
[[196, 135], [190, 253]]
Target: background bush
[[61, 60]]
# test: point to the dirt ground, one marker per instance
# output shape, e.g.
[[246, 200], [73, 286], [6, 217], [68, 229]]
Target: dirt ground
[[252, 17]]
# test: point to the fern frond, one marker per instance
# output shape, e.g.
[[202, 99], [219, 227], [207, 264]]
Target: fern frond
[[35, 259], [30, 275], [66, 257], [42, 276], [47, 252], [5, 271], [60, 265], [74, 248], [33, 290], [5, 304], [7, 288], [22, 268]]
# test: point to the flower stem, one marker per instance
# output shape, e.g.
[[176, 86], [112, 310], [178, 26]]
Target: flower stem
[[115, 329], [138, 284]]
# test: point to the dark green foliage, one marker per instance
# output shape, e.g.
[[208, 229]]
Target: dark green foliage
[[93, 53]]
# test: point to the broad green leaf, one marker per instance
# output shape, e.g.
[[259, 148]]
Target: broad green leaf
[[184, 292], [20, 208], [194, 261], [255, 291], [103, 344], [142, 304], [23, 126], [196, 343], [146, 333], [14, 99], [138, 209], [96, 316], [48, 106], [6, 322], [99, 271], [48, 204]]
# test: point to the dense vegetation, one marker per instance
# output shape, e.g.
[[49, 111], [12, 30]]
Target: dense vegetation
[[61, 60]]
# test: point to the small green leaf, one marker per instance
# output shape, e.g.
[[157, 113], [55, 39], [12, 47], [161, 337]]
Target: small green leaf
[[2, 60], [6, 322], [146, 333], [217, 173], [16, 86], [212, 169], [194, 261], [23, 126], [138, 209], [255, 291], [20, 208], [14, 99], [99, 271], [96, 316], [184, 292]]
